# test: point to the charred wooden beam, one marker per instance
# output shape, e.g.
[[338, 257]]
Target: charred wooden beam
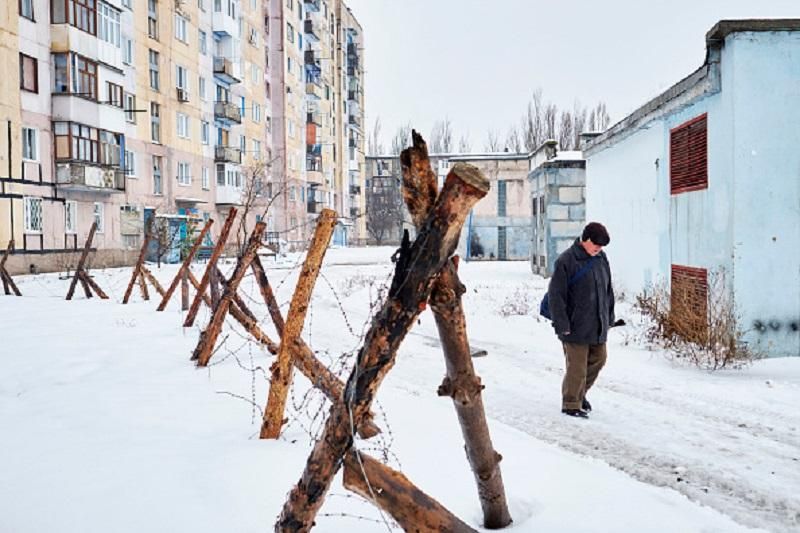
[[187, 261], [137, 272], [77, 277]]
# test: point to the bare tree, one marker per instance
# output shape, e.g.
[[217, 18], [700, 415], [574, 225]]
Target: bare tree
[[384, 217], [374, 146], [464, 144], [578, 124], [549, 120], [532, 130], [514, 140], [441, 140], [493, 143], [566, 137], [401, 139]]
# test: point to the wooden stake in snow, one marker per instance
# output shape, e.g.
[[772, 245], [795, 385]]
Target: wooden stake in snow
[[138, 274], [208, 337], [411, 286], [187, 261], [461, 383], [282, 368], [210, 267], [80, 272], [394, 493], [302, 356], [4, 275]]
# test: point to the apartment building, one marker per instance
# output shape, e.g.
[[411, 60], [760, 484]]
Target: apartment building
[[123, 112]]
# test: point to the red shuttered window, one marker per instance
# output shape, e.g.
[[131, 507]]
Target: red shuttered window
[[688, 156]]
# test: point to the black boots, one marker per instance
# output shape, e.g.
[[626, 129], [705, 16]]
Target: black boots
[[577, 413], [586, 406]]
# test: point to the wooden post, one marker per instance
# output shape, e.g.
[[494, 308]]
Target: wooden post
[[214, 284], [415, 269], [185, 291], [153, 281], [461, 382], [185, 265], [137, 271], [208, 338], [4, 275], [394, 493], [282, 369], [76, 277], [210, 266], [87, 279], [143, 288]]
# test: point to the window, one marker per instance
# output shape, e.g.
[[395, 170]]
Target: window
[[253, 37], [184, 178], [108, 24], [201, 37], [181, 29], [28, 73], [689, 301], [130, 164], [183, 125], [127, 51], [76, 142], [157, 187], [501, 198], [255, 73], [204, 132], [99, 216], [256, 149], [221, 175], [289, 65], [26, 9], [205, 178], [85, 81], [290, 124], [688, 156], [201, 88], [30, 144], [242, 106], [71, 217], [152, 19], [155, 81], [201, 4], [130, 107], [292, 196], [60, 73], [127, 3], [289, 33], [110, 148], [256, 112], [155, 122], [33, 214], [79, 13], [243, 143], [182, 79], [114, 93]]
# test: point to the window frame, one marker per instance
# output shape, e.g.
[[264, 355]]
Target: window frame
[[99, 216], [115, 95], [32, 16], [184, 174], [70, 220], [181, 28], [28, 216], [30, 139], [23, 58]]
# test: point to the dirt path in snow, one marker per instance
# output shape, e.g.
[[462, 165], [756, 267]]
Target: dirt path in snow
[[716, 449]]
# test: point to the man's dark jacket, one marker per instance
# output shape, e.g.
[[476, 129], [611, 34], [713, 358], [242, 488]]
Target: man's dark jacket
[[585, 308]]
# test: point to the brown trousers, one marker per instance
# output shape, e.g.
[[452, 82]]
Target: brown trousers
[[584, 362]]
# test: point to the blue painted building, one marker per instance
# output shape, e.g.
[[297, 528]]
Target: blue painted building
[[705, 180]]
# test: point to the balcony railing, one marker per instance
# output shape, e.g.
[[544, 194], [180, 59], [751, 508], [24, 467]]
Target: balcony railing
[[313, 90], [311, 30], [353, 95], [90, 177], [312, 5], [352, 70], [352, 50], [227, 112], [355, 190], [224, 69], [354, 121], [314, 118], [314, 206], [227, 154]]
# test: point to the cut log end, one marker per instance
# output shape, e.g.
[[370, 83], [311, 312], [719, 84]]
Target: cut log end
[[471, 175]]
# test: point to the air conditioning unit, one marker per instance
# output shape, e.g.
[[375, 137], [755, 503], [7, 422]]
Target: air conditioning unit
[[183, 94]]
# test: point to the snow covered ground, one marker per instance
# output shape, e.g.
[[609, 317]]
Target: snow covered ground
[[106, 425]]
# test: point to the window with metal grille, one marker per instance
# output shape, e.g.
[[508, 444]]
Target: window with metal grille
[[99, 216], [688, 156], [501, 198], [689, 301], [33, 214]]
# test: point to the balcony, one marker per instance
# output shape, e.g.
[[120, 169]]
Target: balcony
[[314, 118], [352, 51], [85, 177], [229, 195], [352, 70], [227, 154], [352, 165], [354, 212], [227, 113], [310, 57], [354, 121], [352, 143], [224, 24], [311, 31], [224, 70], [312, 5], [353, 96], [313, 91], [355, 190]]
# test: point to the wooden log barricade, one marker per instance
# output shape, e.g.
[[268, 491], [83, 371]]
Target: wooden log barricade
[[81, 275], [303, 357], [461, 384], [187, 261], [208, 337], [211, 267], [415, 269], [8, 283], [295, 318], [142, 275]]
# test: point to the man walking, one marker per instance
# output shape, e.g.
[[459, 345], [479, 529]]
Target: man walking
[[581, 303]]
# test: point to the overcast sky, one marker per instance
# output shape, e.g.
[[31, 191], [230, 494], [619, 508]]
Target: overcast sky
[[478, 61]]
